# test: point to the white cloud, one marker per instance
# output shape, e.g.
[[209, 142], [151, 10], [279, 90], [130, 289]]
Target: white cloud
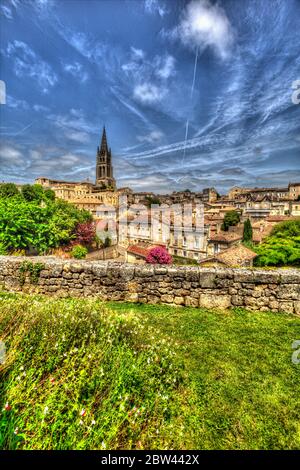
[[77, 136], [87, 46], [137, 53], [165, 66], [43, 163], [152, 138], [6, 11], [147, 93], [148, 76], [74, 125], [16, 103], [27, 63], [40, 108], [129, 106], [205, 25], [155, 6], [76, 70], [10, 157]]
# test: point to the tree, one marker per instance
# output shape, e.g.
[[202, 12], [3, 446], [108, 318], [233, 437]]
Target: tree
[[159, 255], [8, 190], [152, 200], [33, 192], [29, 225], [49, 194], [231, 218], [282, 247], [248, 232], [107, 242], [85, 233]]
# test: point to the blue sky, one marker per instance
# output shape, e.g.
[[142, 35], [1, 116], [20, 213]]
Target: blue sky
[[193, 93]]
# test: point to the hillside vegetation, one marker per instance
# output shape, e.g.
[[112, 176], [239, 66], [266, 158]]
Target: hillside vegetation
[[83, 375], [282, 247]]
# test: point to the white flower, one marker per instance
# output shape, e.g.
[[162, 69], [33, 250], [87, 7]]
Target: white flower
[[93, 422], [46, 409]]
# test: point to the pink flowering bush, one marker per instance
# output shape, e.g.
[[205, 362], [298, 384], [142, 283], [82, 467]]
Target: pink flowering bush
[[159, 255]]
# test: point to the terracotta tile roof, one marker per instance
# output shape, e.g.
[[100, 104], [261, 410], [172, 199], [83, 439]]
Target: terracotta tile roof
[[234, 256], [226, 237], [141, 249], [279, 218]]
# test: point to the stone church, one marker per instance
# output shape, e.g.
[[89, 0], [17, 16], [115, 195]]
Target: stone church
[[104, 169], [87, 195]]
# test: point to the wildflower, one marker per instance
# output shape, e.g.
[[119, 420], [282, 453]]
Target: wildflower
[[81, 422], [93, 422], [52, 380], [22, 368], [82, 412], [46, 409], [103, 445], [7, 407], [16, 431]]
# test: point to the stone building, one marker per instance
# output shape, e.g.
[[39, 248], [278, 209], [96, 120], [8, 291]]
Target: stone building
[[104, 169], [88, 195]]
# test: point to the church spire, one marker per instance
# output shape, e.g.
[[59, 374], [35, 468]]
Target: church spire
[[104, 169], [104, 147]]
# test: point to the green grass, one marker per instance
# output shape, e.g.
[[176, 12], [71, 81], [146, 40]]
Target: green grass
[[147, 377]]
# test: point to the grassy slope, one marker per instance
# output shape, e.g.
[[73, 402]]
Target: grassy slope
[[147, 376]]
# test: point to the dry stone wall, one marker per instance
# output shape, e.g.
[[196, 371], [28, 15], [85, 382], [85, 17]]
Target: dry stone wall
[[254, 289]]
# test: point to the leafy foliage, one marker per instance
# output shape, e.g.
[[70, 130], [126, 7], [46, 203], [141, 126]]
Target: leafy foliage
[[85, 233], [8, 190], [33, 269], [152, 200], [248, 232], [79, 252], [33, 192], [3, 249], [231, 218], [158, 255], [282, 247], [107, 242], [34, 221]]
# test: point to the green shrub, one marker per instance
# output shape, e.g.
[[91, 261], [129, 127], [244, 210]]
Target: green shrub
[[248, 232], [231, 218], [79, 252], [282, 247], [8, 190], [36, 224], [3, 250]]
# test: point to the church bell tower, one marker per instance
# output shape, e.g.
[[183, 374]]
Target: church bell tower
[[104, 169]]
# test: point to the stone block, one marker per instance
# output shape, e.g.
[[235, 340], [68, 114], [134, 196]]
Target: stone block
[[207, 280], [215, 301]]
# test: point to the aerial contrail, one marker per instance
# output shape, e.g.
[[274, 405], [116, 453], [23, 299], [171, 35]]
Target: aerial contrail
[[192, 92]]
